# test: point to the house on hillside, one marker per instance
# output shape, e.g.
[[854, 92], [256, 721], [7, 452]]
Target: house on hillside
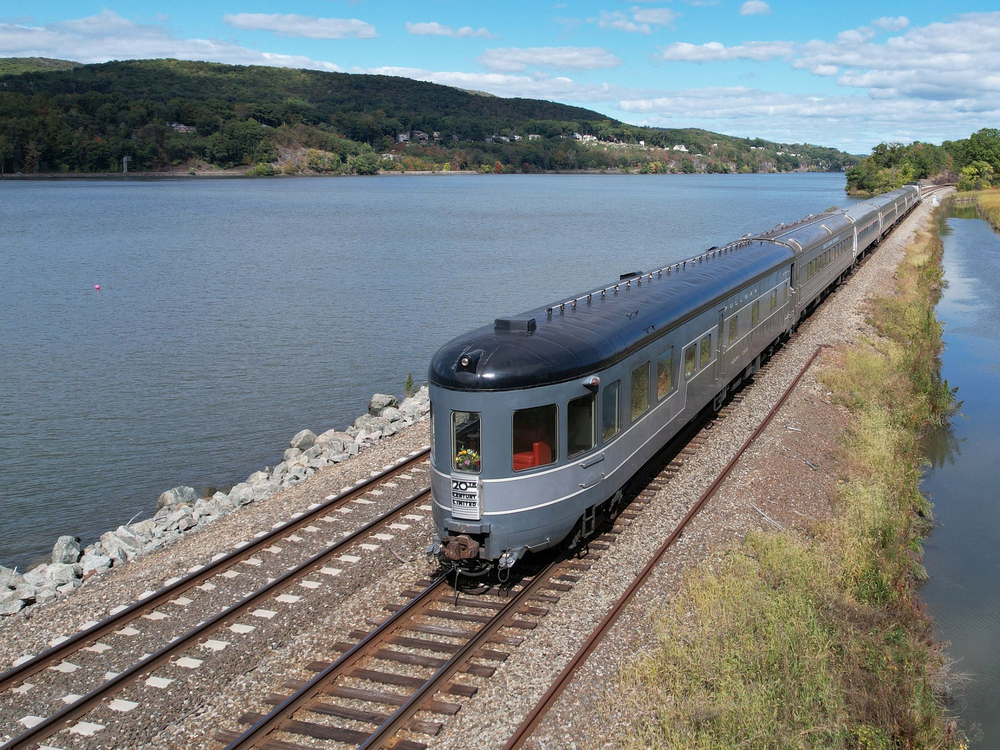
[[403, 138], [681, 147], [533, 136], [181, 128]]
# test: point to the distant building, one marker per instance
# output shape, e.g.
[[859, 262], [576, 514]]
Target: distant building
[[680, 147], [419, 135], [403, 138], [517, 137], [437, 135], [181, 128], [577, 137], [642, 143], [533, 136], [588, 138]]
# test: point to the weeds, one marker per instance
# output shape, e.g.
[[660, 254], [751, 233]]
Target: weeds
[[820, 642]]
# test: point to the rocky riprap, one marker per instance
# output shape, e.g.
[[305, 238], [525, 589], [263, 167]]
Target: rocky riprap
[[180, 510]]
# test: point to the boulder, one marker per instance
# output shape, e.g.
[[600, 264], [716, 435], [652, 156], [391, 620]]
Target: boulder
[[222, 500], [44, 596], [291, 454], [391, 413], [93, 563], [337, 457], [9, 577], [208, 508], [370, 424], [379, 402], [354, 449], [11, 607], [144, 529], [240, 495], [68, 586], [28, 593], [256, 478], [121, 544], [60, 573], [330, 438], [264, 490], [313, 453], [176, 497], [8, 595], [36, 575], [303, 440], [66, 550], [279, 471], [411, 408]]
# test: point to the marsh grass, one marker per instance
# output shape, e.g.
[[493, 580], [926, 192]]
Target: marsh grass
[[988, 202], [819, 642]]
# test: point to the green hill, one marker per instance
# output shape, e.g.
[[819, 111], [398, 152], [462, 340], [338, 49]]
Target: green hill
[[170, 114], [18, 65]]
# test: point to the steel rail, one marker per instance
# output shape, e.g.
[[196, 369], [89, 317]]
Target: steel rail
[[21, 672], [534, 717], [384, 733], [46, 728], [258, 733]]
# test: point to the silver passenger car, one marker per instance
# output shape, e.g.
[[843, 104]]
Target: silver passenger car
[[540, 421]]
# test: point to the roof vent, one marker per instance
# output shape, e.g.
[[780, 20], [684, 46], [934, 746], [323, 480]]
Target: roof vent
[[629, 275], [516, 325]]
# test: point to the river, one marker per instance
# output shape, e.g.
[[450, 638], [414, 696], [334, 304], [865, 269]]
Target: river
[[233, 313], [963, 593]]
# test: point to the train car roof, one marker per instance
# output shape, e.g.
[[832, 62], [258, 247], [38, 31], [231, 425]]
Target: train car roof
[[589, 336], [811, 231]]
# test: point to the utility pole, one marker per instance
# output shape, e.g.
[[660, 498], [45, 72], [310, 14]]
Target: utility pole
[[125, 161]]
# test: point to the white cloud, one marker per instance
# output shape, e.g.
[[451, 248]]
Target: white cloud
[[754, 8], [892, 24], [433, 28], [619, 21], [517, 59], [715, 51], [655, 16], [309, 27], [643, 20], [109, 36]]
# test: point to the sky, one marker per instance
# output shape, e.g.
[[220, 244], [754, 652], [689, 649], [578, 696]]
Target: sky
[[848, 74]]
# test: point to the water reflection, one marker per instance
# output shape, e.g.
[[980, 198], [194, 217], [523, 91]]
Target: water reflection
[[963, 593]]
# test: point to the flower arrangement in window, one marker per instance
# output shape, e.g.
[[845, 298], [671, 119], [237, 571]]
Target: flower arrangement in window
[[467, 460]]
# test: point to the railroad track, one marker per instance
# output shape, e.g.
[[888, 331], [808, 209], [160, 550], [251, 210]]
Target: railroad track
[[312, 556]]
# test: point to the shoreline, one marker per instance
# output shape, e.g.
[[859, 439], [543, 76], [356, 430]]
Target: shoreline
[[219, 175]]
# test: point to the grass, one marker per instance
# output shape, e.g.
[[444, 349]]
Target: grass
[[820, 642], [988, 203]]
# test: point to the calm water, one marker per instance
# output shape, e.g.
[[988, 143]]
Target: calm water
[[963, 593], [234, 313]]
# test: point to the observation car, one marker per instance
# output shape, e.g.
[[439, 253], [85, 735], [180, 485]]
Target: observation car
[[539, 421]]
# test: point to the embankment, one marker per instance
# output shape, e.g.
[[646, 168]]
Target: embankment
[[815, 637], [987, 204]]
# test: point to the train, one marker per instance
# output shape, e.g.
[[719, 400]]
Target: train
[[539, 421]]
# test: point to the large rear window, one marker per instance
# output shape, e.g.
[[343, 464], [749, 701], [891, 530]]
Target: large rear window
[[534, 437]]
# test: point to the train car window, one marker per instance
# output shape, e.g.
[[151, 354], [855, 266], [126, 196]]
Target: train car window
[[774, 299], [784, 293], [581, 422], [534, 437], [665, 373], [706, 350], [755, 314], [466, 430], [690, 365], [640, 390], [609, 411], [734, 329]]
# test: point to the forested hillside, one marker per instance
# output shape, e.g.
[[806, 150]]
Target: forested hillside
[[175, 115], [973, 162]]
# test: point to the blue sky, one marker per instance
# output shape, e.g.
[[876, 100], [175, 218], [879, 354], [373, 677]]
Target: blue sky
[[848, 74]]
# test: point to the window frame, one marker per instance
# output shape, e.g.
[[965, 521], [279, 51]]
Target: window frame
[[673, 380], [734, 329], [702, 360], [693, 349], [633, 416], [593, 424], [754, 314], [554, 448], [617, 385], [774, 299], [454, 442]]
